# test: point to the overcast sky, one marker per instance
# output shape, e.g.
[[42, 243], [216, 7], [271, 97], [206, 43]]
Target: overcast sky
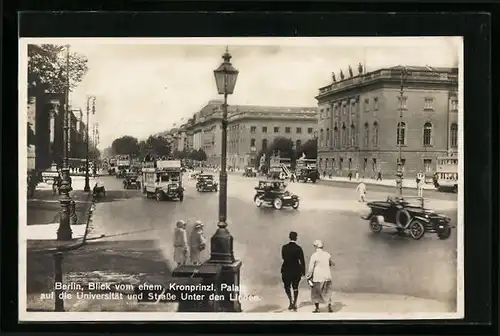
[[144, 86]]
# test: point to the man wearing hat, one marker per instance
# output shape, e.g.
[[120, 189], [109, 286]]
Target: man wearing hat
[[320, 277], [197, 243], [181, 248], [292, 269]]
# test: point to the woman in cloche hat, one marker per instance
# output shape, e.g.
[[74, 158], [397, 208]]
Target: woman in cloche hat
[[320, 277]]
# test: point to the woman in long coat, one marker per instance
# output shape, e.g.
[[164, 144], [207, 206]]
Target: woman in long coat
[[181, 247], [197, 243], [320, 277]]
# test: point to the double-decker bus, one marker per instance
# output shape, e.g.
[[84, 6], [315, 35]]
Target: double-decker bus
[[446, 177]]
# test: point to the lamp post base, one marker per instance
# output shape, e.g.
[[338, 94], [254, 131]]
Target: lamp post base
[[64, 232], [221, 245], [229, 285]]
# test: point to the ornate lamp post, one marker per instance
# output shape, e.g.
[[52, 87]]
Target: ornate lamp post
[[221, 243], [399, 171], [64, 231], [89, 99]]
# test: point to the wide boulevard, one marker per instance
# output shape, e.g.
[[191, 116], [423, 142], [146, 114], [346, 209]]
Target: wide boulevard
[[365, 263]]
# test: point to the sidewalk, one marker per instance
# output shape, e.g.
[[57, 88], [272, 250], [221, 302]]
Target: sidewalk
[[273, 299], [407, 183], [43, 211]]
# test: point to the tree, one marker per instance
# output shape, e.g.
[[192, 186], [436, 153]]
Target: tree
[[157, 146], [282, 145], [198, 155], [94, 153], [310, 149], [47, 67], [202, 156], [126, 145], [183, 154]]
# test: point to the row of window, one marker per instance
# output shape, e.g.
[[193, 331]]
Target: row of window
[[276, 129], [348, 137], [427, 134], [342, 109], [298, 143]]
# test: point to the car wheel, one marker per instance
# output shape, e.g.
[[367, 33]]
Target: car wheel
[[455, 188], [258, 201], [444, 233], [295, 205], [417, 229], [375, 227], [159, 196], [278, 203]]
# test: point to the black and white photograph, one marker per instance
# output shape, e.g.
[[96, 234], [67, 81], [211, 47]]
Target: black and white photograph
[[249, 178]]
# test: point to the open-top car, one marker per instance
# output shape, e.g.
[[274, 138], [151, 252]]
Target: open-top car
[[400, 214], [131, 181], [250, 172], [275, 194], [206, 182]]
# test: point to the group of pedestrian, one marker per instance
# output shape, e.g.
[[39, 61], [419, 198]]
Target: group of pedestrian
[[319, 275], [185, 249]]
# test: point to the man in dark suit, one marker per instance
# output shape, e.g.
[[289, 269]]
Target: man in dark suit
[[293, 268]]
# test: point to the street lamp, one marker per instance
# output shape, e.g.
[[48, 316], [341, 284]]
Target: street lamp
[[399, 171], [221, 243], [64, 232], [87, 184]]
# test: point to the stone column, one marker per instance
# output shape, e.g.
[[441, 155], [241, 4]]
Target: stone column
[[53, 110]]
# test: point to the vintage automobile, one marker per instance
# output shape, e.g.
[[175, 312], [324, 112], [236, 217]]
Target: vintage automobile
[[275, 194], [206, 182], [250, 172], [404, 217], [306, 175], [131, 181]]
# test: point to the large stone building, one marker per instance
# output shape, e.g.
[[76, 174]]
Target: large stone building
[[359, 118], [45, 117], [250, 128]]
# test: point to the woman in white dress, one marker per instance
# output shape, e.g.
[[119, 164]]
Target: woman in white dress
[[320, 277]]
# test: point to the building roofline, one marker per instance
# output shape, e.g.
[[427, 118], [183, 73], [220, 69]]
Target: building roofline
[[410, 68]]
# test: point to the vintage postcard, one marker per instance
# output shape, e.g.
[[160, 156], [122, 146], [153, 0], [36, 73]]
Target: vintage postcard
[[241, 179]]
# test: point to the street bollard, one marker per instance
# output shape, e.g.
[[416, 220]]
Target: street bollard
[[58, 293]]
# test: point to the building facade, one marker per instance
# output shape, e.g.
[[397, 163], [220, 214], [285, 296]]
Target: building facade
[[359, 121], [250, 129], [46, 119]]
